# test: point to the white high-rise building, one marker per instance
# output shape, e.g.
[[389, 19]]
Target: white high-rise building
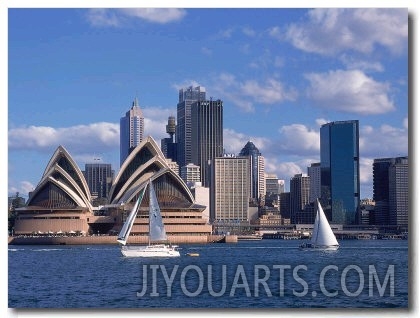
[[230, 191], [202, 197], [131, 130], [173, 165], [190, 174]]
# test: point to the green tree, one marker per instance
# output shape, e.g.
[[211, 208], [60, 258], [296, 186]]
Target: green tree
[[15, 203]]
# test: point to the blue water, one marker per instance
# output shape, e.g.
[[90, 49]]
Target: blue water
[[249, 274]]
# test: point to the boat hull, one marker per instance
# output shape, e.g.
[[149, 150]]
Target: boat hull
[[161, 250]]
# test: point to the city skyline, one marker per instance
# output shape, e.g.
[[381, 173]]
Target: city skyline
[[80, 69]]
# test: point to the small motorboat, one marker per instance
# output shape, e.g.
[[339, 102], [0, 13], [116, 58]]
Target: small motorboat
[[193, 254]]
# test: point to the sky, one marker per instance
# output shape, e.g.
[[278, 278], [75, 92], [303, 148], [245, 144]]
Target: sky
[[281, 73]]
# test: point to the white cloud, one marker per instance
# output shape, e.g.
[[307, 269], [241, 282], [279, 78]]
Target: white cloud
[[382, 142], [330, 31], [84, 140], [296, 141], [230, 31], [248, 31], [352, 63], [366, 172], [284, 170], [276, 33], [102, 17], [299, 139], [93, 136], [270, 92], [225, 34], [321, 121], [301, 142], [23, 188], [405, 123], [155, 121], [267, 61], [158, 15], [366, 177], [119, 17], [186, 83], [233, 141], [287, 169], [298, 146], [349, 91], [245, 93]]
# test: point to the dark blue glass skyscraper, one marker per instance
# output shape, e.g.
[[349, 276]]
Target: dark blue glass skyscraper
[[187, 96], [340, 173], [252, 151], [206, 135], [390, 191]]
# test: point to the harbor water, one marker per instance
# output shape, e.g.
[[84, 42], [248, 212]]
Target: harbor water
[[248, 274]]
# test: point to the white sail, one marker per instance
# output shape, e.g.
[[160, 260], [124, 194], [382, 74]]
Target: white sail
[[126, 229], [322, 234], [157, 231], [314, 237]]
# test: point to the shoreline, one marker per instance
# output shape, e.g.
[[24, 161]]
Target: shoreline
[[112, 240], [175, 239]]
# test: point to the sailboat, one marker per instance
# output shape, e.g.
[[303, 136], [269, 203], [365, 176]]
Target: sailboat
[[323, 237], [158, 245]]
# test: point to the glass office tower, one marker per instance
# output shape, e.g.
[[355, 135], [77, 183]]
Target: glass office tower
[[187, 96], [390, 191], [340, 173], [257, 170], [206, 135]]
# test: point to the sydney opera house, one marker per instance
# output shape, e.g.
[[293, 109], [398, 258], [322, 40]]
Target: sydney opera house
[[61, 204]]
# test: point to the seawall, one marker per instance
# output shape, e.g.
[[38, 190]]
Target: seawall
[[112, 240]]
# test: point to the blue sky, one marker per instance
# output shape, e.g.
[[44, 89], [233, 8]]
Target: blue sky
[[281, 73]]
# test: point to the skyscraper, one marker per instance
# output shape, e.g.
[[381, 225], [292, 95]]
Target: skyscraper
[[187, 97], [273, 188], [99, 178], [229, 194], [340, 176], [299, 199], [273, 185], [131, 130], [398, 192], [168, 145], [381, 190], [390, 191], [206, 135], [314, 173], [257, 170]]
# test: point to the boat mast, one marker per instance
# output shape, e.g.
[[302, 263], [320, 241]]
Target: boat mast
[[318, 219], [150, 207]]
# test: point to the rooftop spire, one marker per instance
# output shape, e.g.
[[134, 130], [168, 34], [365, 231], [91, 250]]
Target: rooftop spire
[[136, 102]]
